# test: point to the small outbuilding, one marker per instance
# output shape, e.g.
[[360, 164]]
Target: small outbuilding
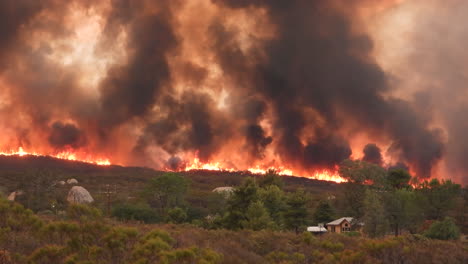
[[341, 225], [318, 230]]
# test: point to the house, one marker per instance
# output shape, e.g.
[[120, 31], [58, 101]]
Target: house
[[320, 229], [341, 225]]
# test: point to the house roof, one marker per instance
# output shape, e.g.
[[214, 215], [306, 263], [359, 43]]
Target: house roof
[[339, 221], [316, 229]]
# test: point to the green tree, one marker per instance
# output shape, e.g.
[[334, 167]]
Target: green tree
[[241, 198], [360, 175], [353, 199], [443, 230], [375, 219], [39, 189], [324, 213], [166, 191], [398, 178], [136, 212], [273, 199], [177, 215], [271, 177], [361, 172], [403, 210], [257, 217], [296, 212], [440, 197]]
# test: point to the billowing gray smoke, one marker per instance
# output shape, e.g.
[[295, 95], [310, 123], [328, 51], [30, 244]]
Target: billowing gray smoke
[[315, 78]]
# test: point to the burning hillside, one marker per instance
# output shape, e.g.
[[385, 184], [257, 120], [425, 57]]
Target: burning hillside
[[297, 86]]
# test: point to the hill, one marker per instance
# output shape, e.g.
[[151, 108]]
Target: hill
[[14, 168]]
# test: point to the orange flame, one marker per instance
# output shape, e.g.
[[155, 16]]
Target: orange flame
[[61, 155], [324, 175]]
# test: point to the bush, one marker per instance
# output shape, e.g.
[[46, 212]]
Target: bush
[[443, 230], [83, 212], [176, 215], [144, 213], [352, 234]]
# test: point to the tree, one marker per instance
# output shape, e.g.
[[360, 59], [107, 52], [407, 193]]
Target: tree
[[353, 199], [166, 191], [398, 178], [137, 212], [360, 175], [375, 220], [271, 177], [361, 172], [241, 198], [403, 210], [39, 189], [324, 213], [257, 217], [443, 230], [296, 213], [273, 200], [177, 215], [440, 197]]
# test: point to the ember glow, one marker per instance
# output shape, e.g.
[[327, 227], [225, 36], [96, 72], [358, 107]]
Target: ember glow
[[325, 175], [62, 155], [249, 85]]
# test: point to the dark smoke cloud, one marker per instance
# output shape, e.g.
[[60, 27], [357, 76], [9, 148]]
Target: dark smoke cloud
[[131, 90], [66, 135], [432, 74], [191, 123], [372, 154], [326, 151], [317, 62], [14, 15], [257, 141]]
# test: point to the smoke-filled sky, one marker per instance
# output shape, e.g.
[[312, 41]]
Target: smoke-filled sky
[[301, 84]]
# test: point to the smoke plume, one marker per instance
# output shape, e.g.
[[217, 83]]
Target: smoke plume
[[242, 83]]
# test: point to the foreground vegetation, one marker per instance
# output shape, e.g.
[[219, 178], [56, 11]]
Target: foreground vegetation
[[82, 235], [143, 216]]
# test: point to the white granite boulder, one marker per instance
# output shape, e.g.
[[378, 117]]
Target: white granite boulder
[[79, 195], [225, 191], [72, 181]]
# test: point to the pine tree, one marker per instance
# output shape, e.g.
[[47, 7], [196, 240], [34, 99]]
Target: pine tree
[[375, 220], [257, 217], [324, 213], [296, 213]]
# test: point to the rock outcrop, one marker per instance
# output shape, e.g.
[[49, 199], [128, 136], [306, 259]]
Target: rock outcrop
[[72, 181], [79, 195], [226, 191], [13, 195]]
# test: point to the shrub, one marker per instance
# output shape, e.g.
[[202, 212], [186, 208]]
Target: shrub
[[352, 234], [176, 215], [443, 230], [144, 213], [83, 212]]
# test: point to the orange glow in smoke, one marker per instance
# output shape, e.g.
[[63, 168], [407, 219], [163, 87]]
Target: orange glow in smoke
[[61, 155], [324, 174]]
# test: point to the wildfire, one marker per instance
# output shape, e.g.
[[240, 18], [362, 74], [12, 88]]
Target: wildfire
[[61, 155], [324, 175]]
